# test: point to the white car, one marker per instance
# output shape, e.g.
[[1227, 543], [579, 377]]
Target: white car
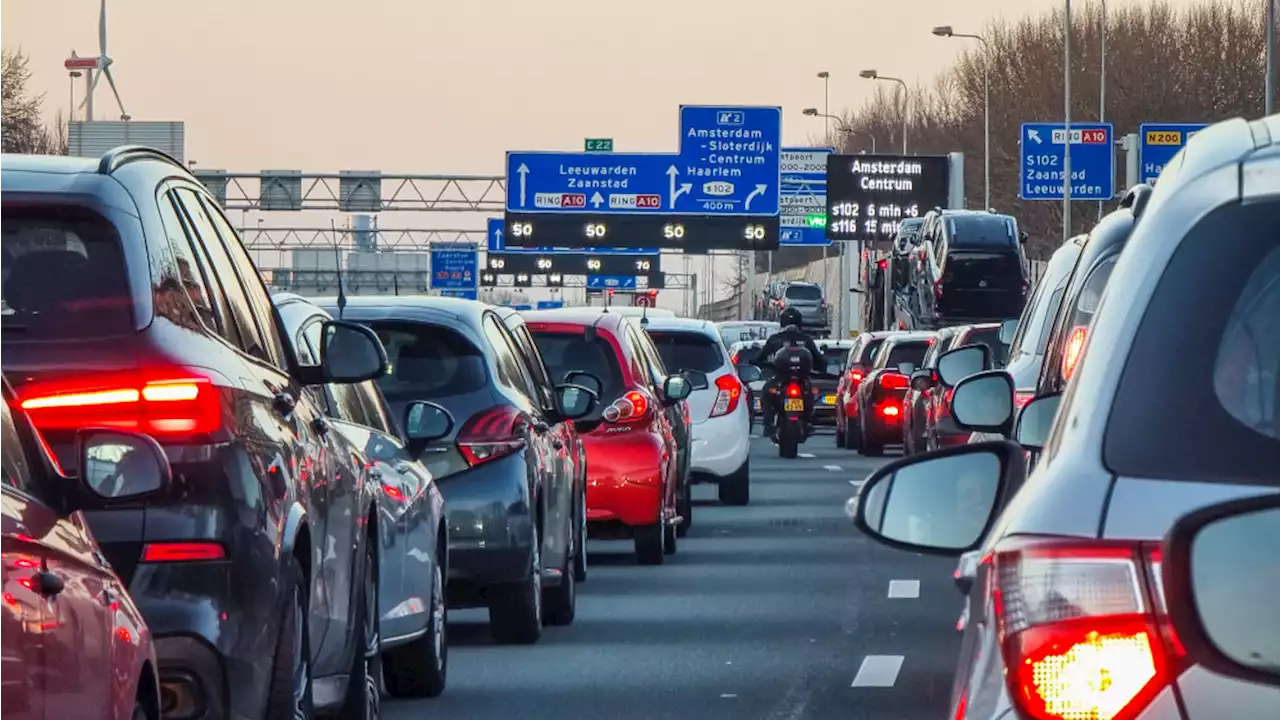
[[735, 331], [744, 353], [721, 420]]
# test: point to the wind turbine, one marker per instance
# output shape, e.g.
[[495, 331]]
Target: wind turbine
[[102, 66]]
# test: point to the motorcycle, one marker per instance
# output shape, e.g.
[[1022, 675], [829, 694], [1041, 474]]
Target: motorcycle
[[794, 370]]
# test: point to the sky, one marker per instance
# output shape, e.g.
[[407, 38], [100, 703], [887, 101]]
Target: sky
[[431, 87]]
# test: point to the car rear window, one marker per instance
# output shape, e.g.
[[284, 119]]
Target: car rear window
[[1208, 411], [907, 352], [804, 292], [566, 352], [749, 353], [428, 362], [982, 232], [986, 336], [836, 356], [869, 352], [64, 276], [687, 351]]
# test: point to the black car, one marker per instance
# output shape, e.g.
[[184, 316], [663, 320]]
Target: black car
[[836, 353], [130, 302], [880, 395], [968, 267], [506, 467]]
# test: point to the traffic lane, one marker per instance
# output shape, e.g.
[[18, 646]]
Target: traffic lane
[[765, 611]]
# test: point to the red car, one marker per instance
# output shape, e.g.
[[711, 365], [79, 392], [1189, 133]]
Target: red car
[[633, 483], [74, 645], [927, 422], [856, 367], [881, 392]]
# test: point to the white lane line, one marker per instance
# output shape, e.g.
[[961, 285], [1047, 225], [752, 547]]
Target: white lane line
[[832, 468], [904, 588], [728, 696], [807, 456], [857, 482], [878, 671]]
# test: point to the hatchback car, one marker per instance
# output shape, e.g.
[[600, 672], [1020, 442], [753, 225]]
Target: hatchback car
[[158, 321], [504, 467], [881, 392], [74, 644], [633, 484], [861, 355], [412, 613], [932, 426], [836, 353], [1069, 605], [924, 384], [721, 441], [805, 297]]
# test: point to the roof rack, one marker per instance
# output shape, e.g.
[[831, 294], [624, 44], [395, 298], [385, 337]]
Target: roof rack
[[115, 157]]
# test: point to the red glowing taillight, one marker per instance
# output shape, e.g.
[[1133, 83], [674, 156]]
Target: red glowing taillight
[[894, 381], [164, 406], [890, 411], [182, 552], [730, 390], [1079, 635], [1071, 353], [632, 407], [490, 434], [794, 390]]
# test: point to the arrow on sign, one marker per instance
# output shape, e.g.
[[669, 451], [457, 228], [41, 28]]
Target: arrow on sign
[[524, 173], [672, 172], [1035, 135], [498, 234], [596, 199], [759, 189]]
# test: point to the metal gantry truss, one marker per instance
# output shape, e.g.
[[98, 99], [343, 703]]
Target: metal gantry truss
[[354, 191], [392, 240]]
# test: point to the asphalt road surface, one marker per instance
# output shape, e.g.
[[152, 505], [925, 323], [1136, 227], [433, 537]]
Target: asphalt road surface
[[778, 611]]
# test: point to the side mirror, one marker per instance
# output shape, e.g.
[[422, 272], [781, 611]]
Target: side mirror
[[1008, 329], [698, 380], [1221, 584], [424, 423], [121, 465], [676, 388], [574, 401], [351, 353], [748, 373], [984, 402], [1023, 236], [942, 503], [586, 380], [907, 368], [921, 380], [956, 365], [1035, 420]]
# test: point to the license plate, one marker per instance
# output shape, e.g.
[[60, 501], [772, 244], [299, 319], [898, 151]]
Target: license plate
[[757, 403], [829, 399], [794, 405]]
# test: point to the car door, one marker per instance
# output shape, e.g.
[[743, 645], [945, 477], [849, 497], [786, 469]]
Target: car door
[[23, 614], [571, 457]]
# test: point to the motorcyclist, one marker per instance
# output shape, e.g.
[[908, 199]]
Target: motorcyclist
[[790, 334]]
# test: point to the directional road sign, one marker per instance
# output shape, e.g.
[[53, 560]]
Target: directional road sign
[[1093, 161], [464, 294], [521, 308], [550, 304], [576, 264], [1158, 143], [611, 282], [497, 231], [728, 164], [454, 268], [804, 196]]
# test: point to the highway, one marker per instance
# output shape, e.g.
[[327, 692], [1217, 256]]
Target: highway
[[779, 611]]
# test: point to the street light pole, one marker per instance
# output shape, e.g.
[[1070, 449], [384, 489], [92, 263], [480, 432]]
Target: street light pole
[[826, 100], [1271, 58], [1066, 122], [1102, 86], [813, 112], [906, 99], [946, 31]]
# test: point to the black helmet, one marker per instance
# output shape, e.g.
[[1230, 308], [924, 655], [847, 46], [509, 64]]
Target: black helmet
[[790, 316]]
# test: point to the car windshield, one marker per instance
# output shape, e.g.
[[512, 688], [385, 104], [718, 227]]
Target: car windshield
[[687, 351], [982, 231], [428, 362], [804, 292], [565, 352]]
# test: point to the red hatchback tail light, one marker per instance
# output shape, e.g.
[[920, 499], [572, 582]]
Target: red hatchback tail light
[[894, 381], [166, 405], [729, 392], [491, 434], [1082, 627], [159, 552], [632, 407]]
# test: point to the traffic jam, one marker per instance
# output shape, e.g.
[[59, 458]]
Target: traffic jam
[[226, 502]]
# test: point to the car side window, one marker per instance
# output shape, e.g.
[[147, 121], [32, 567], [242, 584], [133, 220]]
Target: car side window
[[180, 292], [17, 472], [237, 302], [186, 252], [509, 365], [650, 357], [377, 414], [306, 346], [537, 369]]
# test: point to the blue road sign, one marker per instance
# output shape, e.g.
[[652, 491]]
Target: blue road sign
[[497, 244], [550, 304], [804, 195], [464, 294], [1158, 143], [454, 268], [728, 164], [521, 307], [1093, 161], [611, 282]]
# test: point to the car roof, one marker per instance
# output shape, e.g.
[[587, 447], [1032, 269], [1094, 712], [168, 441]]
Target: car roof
[[426, 308], [58, 164], [829, 342], [911, 336], [676, 324], [583, 316]]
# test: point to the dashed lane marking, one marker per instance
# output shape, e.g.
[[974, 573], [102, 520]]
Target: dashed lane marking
[[878, 671], [807, 456], [904, 589], [832, 468]]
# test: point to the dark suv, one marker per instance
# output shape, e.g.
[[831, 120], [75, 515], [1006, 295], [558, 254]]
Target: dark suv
[[129, 302], [968, 267]]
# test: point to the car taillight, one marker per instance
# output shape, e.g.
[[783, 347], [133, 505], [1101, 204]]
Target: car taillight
[[164, 407], [491, 434], [894, 381], [794, 391], [1079, 634], [182, 552], [855, 378], [890, 410], [727, 396], [630, 408], [1022, 397], [1071, 353]]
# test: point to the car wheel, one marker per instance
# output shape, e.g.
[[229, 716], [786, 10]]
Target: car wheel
[[580, 547], [364, 684], [866, 446], [515, 611], [686, 509], [851, 436], [649, 541], [669, 538], [421, 668], [736, 488], [561, 601], [839, 430], [290, 694]]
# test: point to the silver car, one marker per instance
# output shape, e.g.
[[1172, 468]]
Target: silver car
[[1067, 610]]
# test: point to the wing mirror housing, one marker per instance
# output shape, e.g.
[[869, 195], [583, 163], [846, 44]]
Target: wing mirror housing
[[586, 380], [1035, 420], [424, 423], [121, 465], [1008, 329], [676, 388], [748, 373], [921, 380], [574, 402], [984, 402], [349, 353], [958, 364]]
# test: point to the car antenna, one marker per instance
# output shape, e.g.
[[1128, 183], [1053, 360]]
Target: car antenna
[[337, 266]]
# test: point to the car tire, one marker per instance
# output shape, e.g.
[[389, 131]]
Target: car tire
[[866, 446], [685, 509], [851, 436], [650, 542], [421, 668], [364, 683], [515, 610], [560, 603], [735, 490], [290, 690], [580, 546], [670, 535]]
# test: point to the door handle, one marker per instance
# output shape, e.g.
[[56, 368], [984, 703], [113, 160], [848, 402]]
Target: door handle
[[49, 584]]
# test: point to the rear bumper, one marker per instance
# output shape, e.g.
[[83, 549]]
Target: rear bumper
[[721, 445], [625, 476], [491, 528], [824, 413]]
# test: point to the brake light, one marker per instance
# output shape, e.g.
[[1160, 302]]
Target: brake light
[[1071, 353], [855, 377], [883, 264], [182, 552], [730, 390], [1079, 635], [793, 390], [490, 434], [890, 410], [733, 359], [894, 381], [630, 408], [164, 407]]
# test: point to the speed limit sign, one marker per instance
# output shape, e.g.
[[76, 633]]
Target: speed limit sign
[[642, 301]]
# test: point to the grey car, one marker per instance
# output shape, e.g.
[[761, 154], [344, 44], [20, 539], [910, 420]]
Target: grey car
[[805, 297], [1068, 606]]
